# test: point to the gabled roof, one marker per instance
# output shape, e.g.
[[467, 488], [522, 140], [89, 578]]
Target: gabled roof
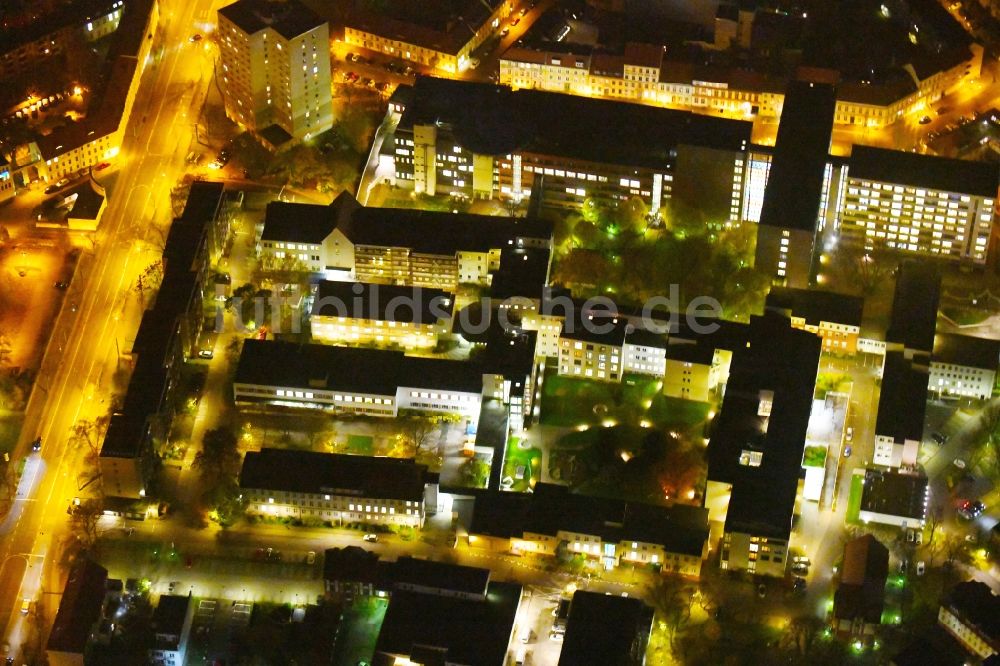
[[79, 608], [976, 604], [861, 593]]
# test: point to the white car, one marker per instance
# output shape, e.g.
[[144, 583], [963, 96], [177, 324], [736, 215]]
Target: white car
[[921, 568], [371, 538], [850, 433]]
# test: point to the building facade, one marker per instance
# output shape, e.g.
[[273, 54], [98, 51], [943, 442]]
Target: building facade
[[275, 69]]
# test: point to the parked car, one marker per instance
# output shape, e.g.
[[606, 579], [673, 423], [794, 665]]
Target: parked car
[[921, 568], [504, 32], [924, 120], [959, 463], [58, 185], [847, 452], [61, 285], [938, 437], [25, 605], [371, 538], [969, 509], [850, 433], [310, 557]]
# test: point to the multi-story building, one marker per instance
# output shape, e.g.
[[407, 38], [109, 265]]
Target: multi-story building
[[605, 629], [893, 498], [81, 610], [860, 595], [171, 625], [333, 487], [395, 246], [794, 200], [610, 531], [971, 614], [434, 34], [755, 453], [607, 348], [834, 317], [360, 313], [275, 69], [963, 366], [483, 140], [918, 204]]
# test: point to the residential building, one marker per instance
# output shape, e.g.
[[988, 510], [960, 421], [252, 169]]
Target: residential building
[[275, 69], [605, 629], [434, 34], [171, 624], [610, 531], [352, 572], [334, 488], [80, 612], [608, 348], [167, 335], [430, 628], [913, 320], [918, 204], [902, 402], [483, 140], [757, 444], [971, 614], [964, 366], [860, 596], [440, 578], [699, 362], [795, 202], [836, 318], [394, 246], [384, 315], [895, 498]]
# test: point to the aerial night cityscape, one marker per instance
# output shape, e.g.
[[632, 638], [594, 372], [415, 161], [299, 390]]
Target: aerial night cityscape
[[451, 332]]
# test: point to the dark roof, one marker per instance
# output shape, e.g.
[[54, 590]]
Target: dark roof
[[966, 350], [351, 564], [494, 120], [597, 329], [334, 474], [523, 273], [33, 26], [690, 352], [472, 632], [170, 613], [915, 306], [80, 607], [289, 18], [861, 592], [894, 494], [605, 629], [88, 201], [375, 371], [275, 135], [795, 184], [815, 305], [783, 361], [976, 604], [382, 302], [203, 202], [935, 647], [409, 571], [297, 222], [678, 528], [902, 399], [937, 173]]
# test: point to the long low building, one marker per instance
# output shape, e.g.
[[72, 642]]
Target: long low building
[[334, 488], [612, 532], [964, 366]]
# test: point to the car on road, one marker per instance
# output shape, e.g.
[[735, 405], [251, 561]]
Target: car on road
[[799, 585], [61, 285], [938, 437], [762, 590], [311, 557], [924, 120], [921, 568], [371, 538], [366, 81], [36, 445], [959, 463], [504, 32], [352, 57], [515, 21], [25, 605], [847, 451], [58, 185], [196, 37], [801, 559], [850, 433], [969, 509], [800, 569]]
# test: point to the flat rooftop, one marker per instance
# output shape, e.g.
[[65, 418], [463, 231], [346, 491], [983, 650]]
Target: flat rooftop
[[289, 18], [334, 474], [915, 306], [894, 494], [966, 350], [902, 400], [795, 185], [926, 171], [494, 120], [79, 608], [605, 629], [440, 575], [816, 305], [382, 302]]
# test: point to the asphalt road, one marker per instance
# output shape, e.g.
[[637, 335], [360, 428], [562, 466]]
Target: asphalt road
[[75, 380]]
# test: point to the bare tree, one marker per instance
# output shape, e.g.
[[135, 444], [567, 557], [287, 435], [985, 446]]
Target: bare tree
[[84, 521], [864, 269], [89, 432], [672, 600]]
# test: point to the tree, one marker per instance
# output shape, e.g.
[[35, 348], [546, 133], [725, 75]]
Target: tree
[[864, 270], [672, 599], [89, 432], [475, 473], [582, 267], [252, 305], [803, 633], [416, 430], [84, 520], [149, 279], [219, 457]]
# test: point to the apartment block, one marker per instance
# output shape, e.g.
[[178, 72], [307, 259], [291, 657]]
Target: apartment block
[[860, 596], [483, 140], [434, 34], [605, 629], [755, 452], [895, 498], [80, 615], [609, 347], [171, 625], [963, 366], [275, 70], [971, 614], [836, 318], [384, 315], [919, 204], [334, 488], [611, 532], [395, 246]]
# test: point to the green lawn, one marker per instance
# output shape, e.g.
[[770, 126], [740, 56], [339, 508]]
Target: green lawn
[[572, 402], [360, 445], [359, 632], [10, 429], [815, 456], [530, 459], [854, 502]]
